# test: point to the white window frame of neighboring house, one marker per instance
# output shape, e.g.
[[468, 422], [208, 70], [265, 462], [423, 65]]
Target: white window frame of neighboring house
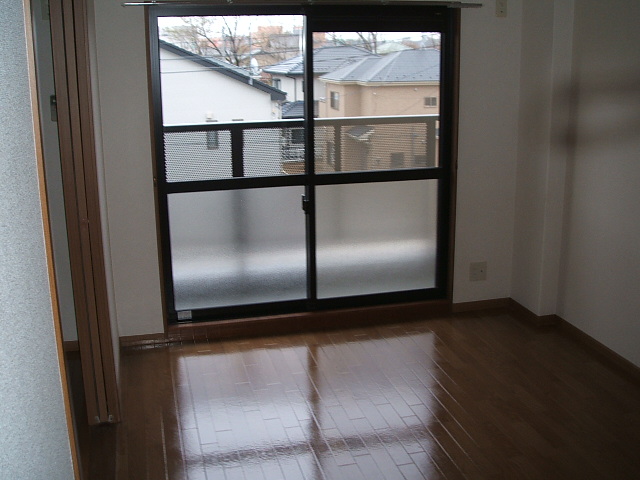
[[334, 100], [277, 83]]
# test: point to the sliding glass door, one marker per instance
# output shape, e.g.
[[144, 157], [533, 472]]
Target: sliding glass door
[[303, 156], [375, 144]]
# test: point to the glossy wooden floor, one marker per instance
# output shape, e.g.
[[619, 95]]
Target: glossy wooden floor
[[473, 396]]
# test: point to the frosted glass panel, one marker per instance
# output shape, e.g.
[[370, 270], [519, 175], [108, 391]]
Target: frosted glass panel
[[237, 247], [376, 237]]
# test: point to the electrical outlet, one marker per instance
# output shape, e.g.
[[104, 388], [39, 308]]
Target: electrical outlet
[[501, 8], [477, 271]]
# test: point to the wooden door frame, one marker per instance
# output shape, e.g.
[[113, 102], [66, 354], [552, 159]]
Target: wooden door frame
[[71, 59], [48, 241]]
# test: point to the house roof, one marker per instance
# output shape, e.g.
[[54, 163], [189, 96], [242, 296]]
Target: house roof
[[406, 66], [293, 109], [325, 59], [224, 68]]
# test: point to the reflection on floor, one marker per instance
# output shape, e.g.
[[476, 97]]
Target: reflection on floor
[[462, 397]]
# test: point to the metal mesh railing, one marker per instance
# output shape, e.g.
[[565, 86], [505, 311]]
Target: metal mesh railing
[[266, 151], [197, 155], [261, 149]]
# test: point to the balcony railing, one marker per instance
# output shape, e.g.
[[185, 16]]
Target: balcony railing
[[214, 151]]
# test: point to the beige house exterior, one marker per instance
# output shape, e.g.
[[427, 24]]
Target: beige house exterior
[[401, 84], [372, 99]]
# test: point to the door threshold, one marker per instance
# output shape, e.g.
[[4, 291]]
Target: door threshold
[[307, 321]]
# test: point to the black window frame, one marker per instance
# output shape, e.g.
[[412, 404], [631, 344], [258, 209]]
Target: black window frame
[[330, 18]]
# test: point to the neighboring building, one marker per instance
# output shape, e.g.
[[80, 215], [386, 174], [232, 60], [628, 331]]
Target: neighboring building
[[273, 45], [403, 83], [293, 144], [406, 82], [196, 90], [288, 75]]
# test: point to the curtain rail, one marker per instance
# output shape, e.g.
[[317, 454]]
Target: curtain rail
[[299, 2]]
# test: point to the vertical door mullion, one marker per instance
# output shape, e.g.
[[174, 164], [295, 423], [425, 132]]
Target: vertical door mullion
[[237, 152], [310, 192]]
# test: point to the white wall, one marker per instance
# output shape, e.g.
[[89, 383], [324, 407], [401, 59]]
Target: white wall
[[292, 86], [599, 285], [544, 113], [489, 96], [34, 441], [578, 201], [123, 110], [190, 91]]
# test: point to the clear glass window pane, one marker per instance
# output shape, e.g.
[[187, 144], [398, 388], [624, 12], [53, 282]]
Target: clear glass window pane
[[218, 68], [378, 96], [227, 74]]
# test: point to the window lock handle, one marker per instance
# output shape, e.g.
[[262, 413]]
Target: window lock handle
[[305, 204]]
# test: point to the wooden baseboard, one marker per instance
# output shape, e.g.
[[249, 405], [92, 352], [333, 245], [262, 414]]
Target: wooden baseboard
[[146, 341], [603, 352], [527, 316], [492, 304], [517, 310], [292, 323]]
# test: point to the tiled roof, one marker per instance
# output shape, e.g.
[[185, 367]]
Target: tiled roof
[[286, 66], [325, 59], [293, 109], [224, 68], [404, 66]]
